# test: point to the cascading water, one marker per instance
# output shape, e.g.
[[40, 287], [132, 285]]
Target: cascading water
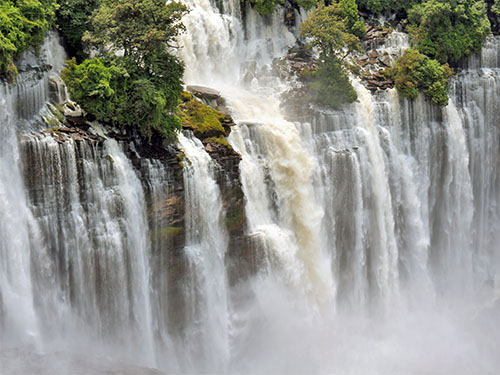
[[16, 294], [374, 208], [18, 231], [205, 283], [376, 226], [89, 205]]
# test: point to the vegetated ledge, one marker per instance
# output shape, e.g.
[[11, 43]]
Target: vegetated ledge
[[66, 120]]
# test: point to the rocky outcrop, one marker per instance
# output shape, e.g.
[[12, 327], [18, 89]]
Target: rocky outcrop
[[375, 62], [204, 120], [377, 81], [375, 36]]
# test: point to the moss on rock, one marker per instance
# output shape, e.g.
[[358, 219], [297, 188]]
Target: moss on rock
[[168, 233], [221, 140], [235, 217], [203, 121]]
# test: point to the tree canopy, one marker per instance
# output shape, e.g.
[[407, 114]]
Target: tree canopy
[[135, 81], [448, 30], [73, 19], [378, 6], [414, 71], [335, 30], [142, 29]]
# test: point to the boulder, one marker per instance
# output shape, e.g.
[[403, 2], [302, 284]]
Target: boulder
[[207, 95], [73, 113], [203, 92]]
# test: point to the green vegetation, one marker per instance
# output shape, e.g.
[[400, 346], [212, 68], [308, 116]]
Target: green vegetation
[[350, 15], [143, 30], [122, 95], [442, 32], [448, 30], [221, 140], [204, 121], [140, 88], [265, 7], [73, 19], [414, 71], [329, 86], [495, 7], [235, 217], [307, 4], [379, 6], [23, 24], [335, 31], [168, 233]]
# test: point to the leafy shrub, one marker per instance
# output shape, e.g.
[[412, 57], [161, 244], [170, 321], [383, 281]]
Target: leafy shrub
[[495, 7], [96, 86], [448, 30], [414, 71], [351, 16], [307, 4], [265, 7]]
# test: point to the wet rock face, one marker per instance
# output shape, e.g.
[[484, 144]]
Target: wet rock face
[[377, 81]]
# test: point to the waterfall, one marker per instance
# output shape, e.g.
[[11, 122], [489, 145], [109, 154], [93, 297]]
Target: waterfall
[[366, 216], [19, 234], [94, 273], [16, 233], [373, 227], [206, 294]]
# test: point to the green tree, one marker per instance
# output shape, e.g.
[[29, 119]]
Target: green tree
[[266, 7], [135, 73], [73, 19], [335, 31], [144, 30], [329, 86], [351, 14], [307, 4], [495, 7], [329, 28], [414, 71], [448, 30]]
